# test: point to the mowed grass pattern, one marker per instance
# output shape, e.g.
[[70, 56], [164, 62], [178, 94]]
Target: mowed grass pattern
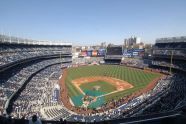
[[104, 87], [138, 78]]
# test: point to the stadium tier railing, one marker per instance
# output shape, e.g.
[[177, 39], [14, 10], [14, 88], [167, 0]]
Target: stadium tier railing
[[17, 40], [9, 65]]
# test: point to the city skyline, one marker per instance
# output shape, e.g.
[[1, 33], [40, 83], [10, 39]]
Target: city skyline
[[92, 22]]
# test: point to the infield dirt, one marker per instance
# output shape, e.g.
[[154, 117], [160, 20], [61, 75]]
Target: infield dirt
[[119, 84]]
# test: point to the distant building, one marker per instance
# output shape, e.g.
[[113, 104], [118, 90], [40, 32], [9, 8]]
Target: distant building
[[103, 45], [130, 42]]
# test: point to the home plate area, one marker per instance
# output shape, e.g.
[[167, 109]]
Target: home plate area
[[94, 89]]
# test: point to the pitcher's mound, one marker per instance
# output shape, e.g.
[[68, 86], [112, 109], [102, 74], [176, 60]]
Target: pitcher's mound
[[97, 87]]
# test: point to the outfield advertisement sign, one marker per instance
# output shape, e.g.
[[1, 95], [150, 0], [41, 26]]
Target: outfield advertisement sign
[[133, 52], [101, 52]]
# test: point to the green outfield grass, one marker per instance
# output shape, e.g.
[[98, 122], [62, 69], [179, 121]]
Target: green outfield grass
[[105, 88], [138, 78]]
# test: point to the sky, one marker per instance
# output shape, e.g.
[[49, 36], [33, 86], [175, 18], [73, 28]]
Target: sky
[[89, 22]]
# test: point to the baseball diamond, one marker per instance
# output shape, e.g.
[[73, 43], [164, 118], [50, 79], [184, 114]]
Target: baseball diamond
[[93, 86]]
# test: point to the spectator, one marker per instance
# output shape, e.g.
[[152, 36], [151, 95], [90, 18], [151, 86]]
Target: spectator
[[35, 120]]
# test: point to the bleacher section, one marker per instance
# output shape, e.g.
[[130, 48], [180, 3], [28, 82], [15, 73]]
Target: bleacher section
[[22, 79], [12, 51], [170, 52]]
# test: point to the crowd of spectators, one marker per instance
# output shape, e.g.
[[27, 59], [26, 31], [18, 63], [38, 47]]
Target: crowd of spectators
[[37, 94], [175, 49], [10, 86], [86, 60], [175, 45], [174, 99], [14, 52], [132, 62], [170, 52], [181, 65]]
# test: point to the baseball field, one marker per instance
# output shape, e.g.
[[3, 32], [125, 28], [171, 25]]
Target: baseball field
[[92, 86]]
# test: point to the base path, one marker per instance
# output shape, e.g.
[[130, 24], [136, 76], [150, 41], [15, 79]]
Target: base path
[[119, 84], [65, 98]]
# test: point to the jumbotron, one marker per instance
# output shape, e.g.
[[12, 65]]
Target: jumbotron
[[110, 83]]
